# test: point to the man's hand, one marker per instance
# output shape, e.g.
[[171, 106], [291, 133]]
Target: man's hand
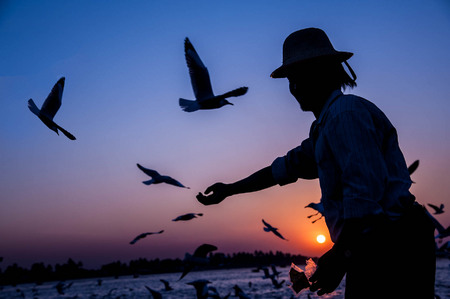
[[219, 192], [329, 273]]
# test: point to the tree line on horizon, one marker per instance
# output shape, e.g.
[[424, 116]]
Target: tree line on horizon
[[39, 272]]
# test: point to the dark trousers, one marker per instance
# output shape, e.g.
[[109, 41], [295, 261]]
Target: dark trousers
[[396, 260]]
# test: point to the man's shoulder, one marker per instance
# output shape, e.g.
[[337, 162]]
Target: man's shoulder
[[351, 103]]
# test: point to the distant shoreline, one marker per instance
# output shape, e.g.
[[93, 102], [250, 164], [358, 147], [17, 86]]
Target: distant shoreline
[[39, 272]]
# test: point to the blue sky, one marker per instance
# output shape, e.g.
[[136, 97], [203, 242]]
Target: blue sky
[[125, 70]]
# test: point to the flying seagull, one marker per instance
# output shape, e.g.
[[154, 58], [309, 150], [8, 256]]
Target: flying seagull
[[143, 235], [157, 178], [437, 210], [270, 228], [50, 107], [199, 257], [187, 217], [201, 83]]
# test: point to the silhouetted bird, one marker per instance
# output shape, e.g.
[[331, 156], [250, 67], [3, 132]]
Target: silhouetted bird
[[187, 217], [201, 83], [201, 288], [199, 257], [238, 292], [270, 228], [50, 107], [99, 282], [157, 178], [167, 286], [155, 294], [143, 235], [437, 210]]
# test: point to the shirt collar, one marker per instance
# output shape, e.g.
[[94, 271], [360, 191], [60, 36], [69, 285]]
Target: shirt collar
[[333, 96]]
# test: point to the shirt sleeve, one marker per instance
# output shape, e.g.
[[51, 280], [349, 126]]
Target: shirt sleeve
[[297, 163], [356, 145]]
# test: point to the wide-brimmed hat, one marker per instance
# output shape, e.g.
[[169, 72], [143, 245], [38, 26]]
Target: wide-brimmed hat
[[306, 45]]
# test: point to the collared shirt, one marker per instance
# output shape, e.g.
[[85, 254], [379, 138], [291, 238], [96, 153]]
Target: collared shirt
[[353, 149]]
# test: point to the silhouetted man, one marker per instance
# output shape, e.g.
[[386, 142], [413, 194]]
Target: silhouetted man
[[382, 238]]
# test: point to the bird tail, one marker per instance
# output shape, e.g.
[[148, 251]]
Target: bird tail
[[235, 93], [188, 106], [149, 182], [33, 108]]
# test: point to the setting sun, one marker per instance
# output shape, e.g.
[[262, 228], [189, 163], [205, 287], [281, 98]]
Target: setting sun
[[320, 238]]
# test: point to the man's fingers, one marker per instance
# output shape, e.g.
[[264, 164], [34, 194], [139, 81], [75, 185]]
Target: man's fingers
[[201, 198], [208, 190]]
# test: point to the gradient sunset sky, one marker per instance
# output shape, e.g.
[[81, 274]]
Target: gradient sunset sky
[[125, 71]]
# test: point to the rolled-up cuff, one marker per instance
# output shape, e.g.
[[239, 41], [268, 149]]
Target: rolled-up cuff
[[280, 173]]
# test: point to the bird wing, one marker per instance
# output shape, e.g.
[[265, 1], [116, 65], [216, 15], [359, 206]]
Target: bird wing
[[172, 181], [269, 226], [435, 208], [68, 135], [236, 92], [33, 108], [278, 234], [53, 101], [200, 80], [149, 172], [186, 270], [413, 167], [138, 237], [143, 235], [203, 250]]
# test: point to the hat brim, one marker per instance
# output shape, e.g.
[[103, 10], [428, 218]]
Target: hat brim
[[283, 70]]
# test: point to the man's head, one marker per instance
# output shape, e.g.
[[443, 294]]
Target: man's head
[[313, 67]]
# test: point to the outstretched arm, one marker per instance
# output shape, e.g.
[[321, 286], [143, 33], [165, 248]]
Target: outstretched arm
[[259, 180]]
